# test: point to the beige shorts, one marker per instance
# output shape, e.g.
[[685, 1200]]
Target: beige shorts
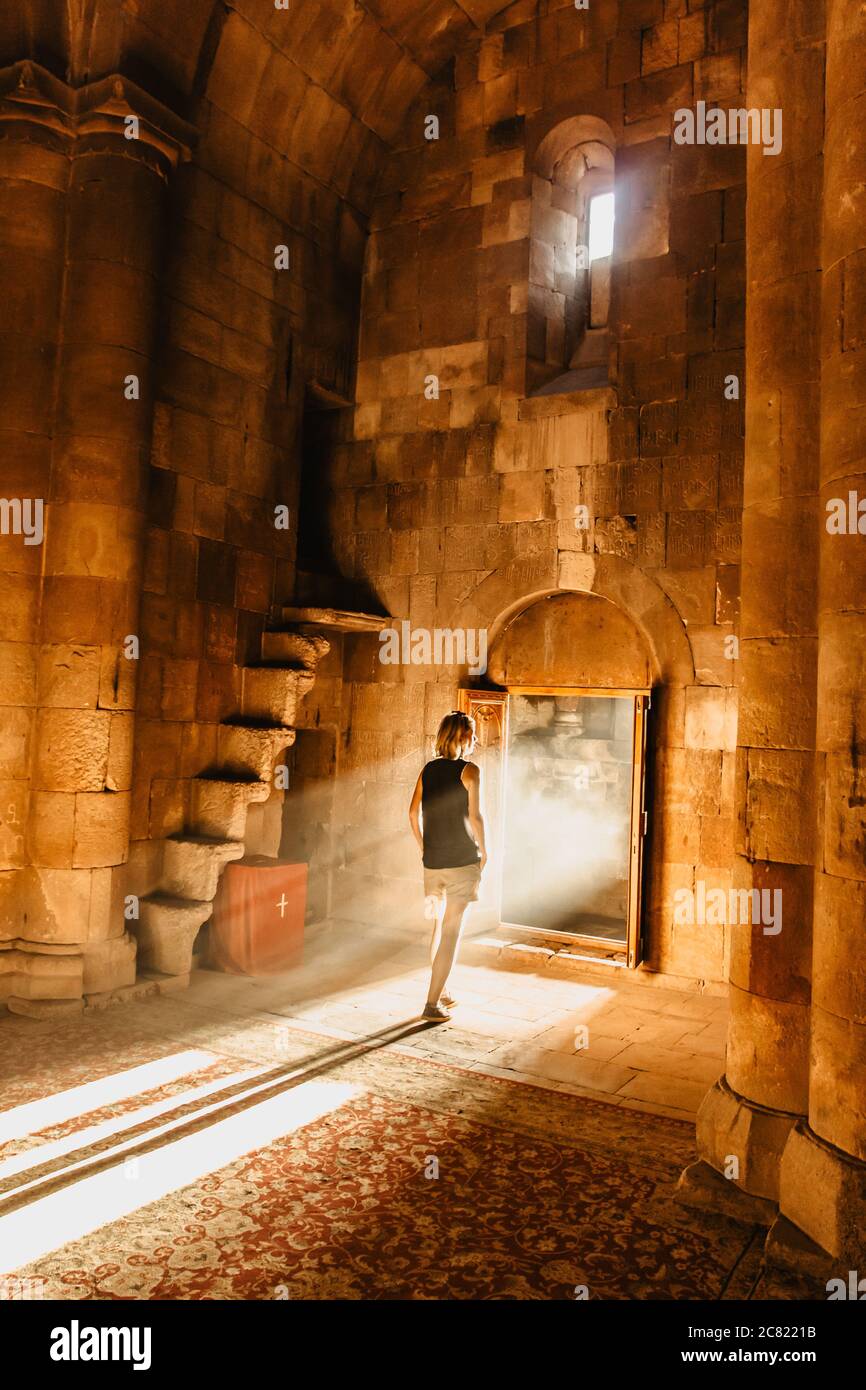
[[461, 883]]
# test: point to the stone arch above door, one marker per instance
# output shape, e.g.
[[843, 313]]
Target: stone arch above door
[[509, 591], [571, 638]]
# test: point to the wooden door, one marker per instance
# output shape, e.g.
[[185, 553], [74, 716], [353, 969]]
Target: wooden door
[[489, 709]]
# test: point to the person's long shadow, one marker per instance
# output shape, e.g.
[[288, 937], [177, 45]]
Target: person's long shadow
[[331, 962], [191, 1117]]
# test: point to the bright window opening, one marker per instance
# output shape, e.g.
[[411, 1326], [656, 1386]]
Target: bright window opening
[[601, 219]]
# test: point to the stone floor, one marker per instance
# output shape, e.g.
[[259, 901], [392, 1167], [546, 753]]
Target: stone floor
[[603, 1034], [117, 1123], [190, 1146]]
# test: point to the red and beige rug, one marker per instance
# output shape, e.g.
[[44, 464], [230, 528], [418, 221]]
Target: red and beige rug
[[162, 1151]]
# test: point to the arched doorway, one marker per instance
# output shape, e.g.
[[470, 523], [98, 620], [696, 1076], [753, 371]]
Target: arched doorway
[[563, 739]]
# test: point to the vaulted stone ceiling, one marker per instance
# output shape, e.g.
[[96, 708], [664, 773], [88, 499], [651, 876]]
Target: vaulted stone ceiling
[[371, 59], [296, 108]]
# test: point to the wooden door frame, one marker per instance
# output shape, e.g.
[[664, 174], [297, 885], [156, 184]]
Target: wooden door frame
[[630, 952]]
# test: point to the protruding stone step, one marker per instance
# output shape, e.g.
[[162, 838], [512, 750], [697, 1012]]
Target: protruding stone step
[[333, 619], [294, 648], [166, 931], [250, 748], [192, 864], [219, 805], [272, 693]]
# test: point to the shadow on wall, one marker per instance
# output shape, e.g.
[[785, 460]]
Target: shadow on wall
[[308, 810]]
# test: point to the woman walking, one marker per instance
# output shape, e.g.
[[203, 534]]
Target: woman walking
[[445, 815]]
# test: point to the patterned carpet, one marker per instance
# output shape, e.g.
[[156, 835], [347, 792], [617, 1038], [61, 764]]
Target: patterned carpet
[[245, 1159]]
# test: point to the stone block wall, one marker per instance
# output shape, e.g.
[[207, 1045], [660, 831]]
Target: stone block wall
[[153, 253], [306, 137], [261, 297], [460, 497], [226, 288]]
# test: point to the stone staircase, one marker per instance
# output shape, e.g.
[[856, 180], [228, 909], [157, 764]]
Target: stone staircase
[[248, 746]]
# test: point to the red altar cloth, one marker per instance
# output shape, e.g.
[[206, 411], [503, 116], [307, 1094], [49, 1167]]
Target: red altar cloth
[[257, 927]]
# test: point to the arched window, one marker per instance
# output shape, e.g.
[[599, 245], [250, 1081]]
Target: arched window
[[572, 235], [601, 218]]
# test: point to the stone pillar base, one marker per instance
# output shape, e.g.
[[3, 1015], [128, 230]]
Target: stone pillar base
[[729, 1126], [823, 1191], [43, 1008], [701, 1186], [789, 1249], [109, 965]]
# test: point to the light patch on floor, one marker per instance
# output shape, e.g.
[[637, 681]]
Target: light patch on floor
[[85, 1204], [628, 1042]]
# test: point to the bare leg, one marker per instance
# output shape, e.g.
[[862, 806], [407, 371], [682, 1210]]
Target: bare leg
[[452, 923], [437, 927]]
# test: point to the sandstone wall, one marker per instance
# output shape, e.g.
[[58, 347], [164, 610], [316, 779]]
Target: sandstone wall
[[289, 116], [79, 382], [454, 508], [242, 336], [413, 261], [441, 510]]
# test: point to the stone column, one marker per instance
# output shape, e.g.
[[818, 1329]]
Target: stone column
[[121, 149], [750, 1112], [33, 175], [824, 1167]]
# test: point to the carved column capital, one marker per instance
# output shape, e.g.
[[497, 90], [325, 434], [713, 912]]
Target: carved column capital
[[31, 94]]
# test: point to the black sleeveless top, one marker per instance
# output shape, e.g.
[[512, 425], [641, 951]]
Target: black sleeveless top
[[444, 809]]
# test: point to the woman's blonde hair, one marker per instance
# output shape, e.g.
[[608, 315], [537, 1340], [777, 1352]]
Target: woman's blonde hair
[[455, 732]]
